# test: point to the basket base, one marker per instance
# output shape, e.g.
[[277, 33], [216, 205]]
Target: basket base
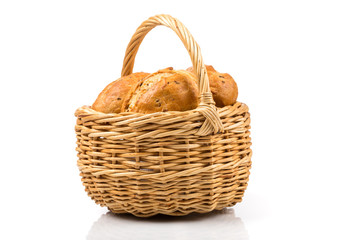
[[171, 212]]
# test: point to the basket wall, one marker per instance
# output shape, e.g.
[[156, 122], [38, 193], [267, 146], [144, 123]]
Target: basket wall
[[151, 164]]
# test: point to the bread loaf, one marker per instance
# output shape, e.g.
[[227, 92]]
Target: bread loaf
[[112, 98], [164, 90], [223, 87]]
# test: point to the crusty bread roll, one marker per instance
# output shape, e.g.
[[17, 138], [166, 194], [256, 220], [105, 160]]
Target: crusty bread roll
[[222, 85], [165, 90], [112, 98]]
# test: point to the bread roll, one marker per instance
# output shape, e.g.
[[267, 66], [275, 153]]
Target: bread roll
[[112, 98], [222, 85], [165, 90]]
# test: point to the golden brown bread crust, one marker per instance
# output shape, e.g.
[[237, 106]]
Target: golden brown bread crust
[[112, 98], [223, 87], [165, 90]]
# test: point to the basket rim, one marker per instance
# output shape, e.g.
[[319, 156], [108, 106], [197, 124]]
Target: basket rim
[[86, 110], [184, 123]]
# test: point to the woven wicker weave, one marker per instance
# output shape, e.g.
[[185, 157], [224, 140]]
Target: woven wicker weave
[[170, 163]]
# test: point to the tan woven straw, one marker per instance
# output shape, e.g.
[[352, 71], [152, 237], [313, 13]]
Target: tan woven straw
[[172, 163]]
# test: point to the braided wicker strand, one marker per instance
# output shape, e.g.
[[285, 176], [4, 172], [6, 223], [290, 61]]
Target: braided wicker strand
[[212, 124]]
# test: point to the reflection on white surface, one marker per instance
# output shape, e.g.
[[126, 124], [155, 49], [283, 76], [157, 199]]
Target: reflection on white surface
[[220, 225]]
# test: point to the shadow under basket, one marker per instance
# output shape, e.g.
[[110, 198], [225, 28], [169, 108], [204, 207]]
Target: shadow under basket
[[172, 163]]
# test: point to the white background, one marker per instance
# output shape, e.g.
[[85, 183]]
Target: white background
[[297, 66]]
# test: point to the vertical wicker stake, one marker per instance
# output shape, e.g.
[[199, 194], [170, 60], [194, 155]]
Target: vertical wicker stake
[[172, 163]]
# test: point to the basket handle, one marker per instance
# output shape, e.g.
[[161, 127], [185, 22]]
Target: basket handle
[[206, 107]]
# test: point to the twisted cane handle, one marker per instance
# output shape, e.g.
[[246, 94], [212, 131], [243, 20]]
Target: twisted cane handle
[[206, 107]]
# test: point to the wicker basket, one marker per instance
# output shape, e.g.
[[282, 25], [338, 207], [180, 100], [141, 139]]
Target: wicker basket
[[172, 163]]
